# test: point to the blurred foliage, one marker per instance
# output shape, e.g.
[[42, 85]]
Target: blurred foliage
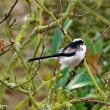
[[46, 90]]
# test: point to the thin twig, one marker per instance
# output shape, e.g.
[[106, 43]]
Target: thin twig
[[11, 9], [94, 81], [36, 50], [9, 86], [101, 35], [95, 101], [5, 51], [93, 12], [9, 45], [20, 56], [12, 24], [77, 15], [77, 100], [57, 22]]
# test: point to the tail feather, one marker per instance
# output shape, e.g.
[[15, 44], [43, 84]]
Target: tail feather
[[52, 56], [39, 58]]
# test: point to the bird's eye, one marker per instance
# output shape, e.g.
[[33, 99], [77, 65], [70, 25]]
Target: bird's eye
[[78, 46], [83, 43]]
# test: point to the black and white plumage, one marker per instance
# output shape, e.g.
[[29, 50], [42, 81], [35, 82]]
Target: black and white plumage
[[72, 55]]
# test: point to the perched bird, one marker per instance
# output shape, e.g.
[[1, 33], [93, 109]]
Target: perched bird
[[71, 55]]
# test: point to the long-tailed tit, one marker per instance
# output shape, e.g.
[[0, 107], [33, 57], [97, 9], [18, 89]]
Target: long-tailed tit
[[71, 55]]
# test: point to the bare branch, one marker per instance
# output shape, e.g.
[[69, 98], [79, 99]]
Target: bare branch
[[3, 47], [9, 13], [101, 35], [93, 101]]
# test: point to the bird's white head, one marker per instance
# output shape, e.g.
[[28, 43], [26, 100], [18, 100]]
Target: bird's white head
[[77, 39]]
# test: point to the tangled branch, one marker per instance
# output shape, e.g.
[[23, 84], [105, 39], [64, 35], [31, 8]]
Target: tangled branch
[[9, 13]]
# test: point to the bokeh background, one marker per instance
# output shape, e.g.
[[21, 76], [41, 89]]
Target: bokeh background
[[88, 20]]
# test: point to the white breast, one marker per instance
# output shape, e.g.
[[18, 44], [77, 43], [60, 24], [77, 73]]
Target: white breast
[[76, 59]]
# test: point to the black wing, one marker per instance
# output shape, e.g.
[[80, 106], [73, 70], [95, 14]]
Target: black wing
[[72, 45]]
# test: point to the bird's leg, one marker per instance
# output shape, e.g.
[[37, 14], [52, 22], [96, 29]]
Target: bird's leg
[[72, 74]]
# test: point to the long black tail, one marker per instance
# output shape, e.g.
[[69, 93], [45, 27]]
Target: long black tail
[[52, 56]]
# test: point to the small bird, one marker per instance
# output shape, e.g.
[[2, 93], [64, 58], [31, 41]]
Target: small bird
[[71, 55]]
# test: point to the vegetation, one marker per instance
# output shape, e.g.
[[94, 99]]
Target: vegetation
[[33, 28]]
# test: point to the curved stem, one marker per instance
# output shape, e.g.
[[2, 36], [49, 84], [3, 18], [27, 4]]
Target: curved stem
[[93, 80]]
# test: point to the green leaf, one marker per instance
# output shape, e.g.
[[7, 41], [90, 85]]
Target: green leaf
[[59, 35], [87, 40], [80, 106], [79, 85], [80, 80], [56, 40], [97, 47]]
